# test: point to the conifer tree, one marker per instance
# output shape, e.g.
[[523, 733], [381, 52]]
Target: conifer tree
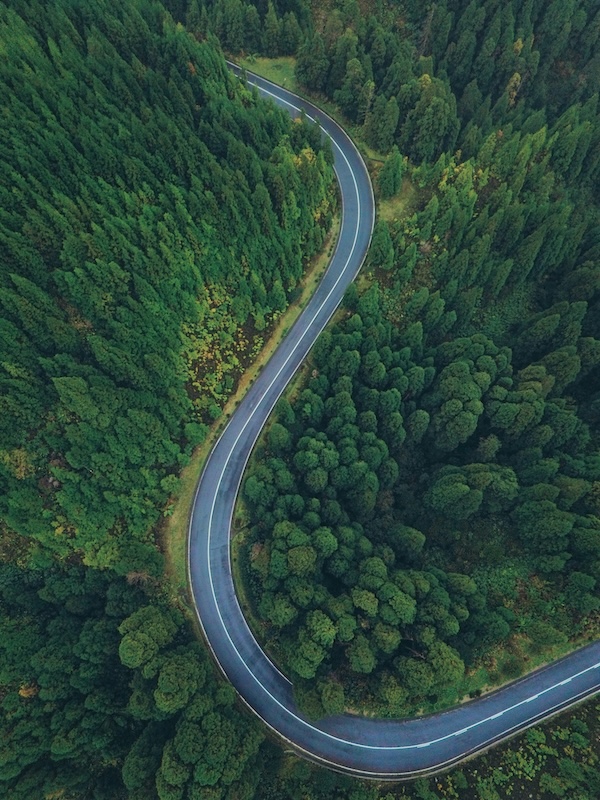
[[390, 176]]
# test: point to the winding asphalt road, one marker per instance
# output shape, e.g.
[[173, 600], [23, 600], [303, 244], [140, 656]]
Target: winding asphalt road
[[364, 747]]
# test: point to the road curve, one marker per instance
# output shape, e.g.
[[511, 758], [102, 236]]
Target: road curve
[[367, 748]]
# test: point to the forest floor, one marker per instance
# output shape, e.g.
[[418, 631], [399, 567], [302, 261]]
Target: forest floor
[[174, 530], [399, 206]]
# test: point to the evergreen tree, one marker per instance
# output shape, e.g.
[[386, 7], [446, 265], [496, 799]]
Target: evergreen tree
[[390, 177], [312, 64]]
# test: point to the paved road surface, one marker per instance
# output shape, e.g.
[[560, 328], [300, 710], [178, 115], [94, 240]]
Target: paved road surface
[[364, 747]]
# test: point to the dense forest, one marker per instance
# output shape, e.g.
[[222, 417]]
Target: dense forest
[[156, 216], [424, 514], [424, 507]]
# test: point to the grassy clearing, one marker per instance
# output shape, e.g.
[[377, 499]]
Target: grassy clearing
[[399, 206], [496, 671], [279, 70], [238, 541], [173, 532]]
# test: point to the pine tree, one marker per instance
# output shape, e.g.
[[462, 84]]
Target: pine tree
[[390, 176], [272, 32], [312, 64], [381, 252]]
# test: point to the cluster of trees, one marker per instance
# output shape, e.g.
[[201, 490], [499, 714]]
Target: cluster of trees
[[427, 79], [156, 215], [106, 695], [457, 71], [418, 479], [266, 28], [343, 573], [435, 482]]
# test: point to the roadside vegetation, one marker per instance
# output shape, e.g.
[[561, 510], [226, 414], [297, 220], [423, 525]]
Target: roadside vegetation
[[157, 221], [174, 528], [423, 511], [556, 760]]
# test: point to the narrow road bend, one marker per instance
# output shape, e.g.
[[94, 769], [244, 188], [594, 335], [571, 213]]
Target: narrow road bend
[[367, 748]]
